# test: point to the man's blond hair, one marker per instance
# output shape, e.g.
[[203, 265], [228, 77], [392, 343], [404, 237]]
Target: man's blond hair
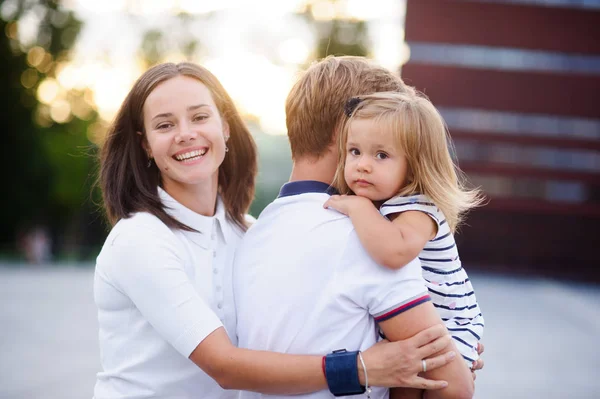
[[315, 106]]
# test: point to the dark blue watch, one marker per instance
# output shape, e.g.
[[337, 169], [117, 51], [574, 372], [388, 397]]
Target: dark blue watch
[[341, 373]]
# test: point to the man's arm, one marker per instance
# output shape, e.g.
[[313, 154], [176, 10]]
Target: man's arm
[[460, 381]]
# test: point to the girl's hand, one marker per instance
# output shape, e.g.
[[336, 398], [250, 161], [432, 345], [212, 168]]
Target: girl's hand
[[347, 204]]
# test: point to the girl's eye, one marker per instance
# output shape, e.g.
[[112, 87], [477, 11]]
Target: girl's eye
[[200, 117], [354, 151], [382, 155]]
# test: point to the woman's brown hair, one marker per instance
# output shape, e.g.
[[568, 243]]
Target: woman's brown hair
[[129, 185]]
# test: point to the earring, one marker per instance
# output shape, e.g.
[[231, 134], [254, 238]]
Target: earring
[[226, 149], [149, 162]]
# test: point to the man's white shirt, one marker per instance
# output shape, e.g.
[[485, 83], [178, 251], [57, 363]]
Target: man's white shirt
[[303, 283]]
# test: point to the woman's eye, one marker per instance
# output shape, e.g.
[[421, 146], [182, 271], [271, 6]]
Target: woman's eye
[[354, 151], [200, 117], [163, 126], [382, 155]]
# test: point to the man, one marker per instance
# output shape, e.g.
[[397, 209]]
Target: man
[[303, 283]]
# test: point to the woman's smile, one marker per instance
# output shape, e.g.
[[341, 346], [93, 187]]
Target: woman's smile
[[190, 156]]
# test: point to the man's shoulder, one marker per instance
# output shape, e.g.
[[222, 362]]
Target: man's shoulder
[[304, 220], [356, 256], [309, 216], [307, 212]]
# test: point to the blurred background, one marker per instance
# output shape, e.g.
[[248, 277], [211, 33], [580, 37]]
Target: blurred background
[[517, 81]]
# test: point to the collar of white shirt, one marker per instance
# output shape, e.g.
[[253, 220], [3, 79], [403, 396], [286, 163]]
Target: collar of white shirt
[[305, 186], [203, 224]]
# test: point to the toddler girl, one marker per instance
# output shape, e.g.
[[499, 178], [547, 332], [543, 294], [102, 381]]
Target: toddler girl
[[408, 200]]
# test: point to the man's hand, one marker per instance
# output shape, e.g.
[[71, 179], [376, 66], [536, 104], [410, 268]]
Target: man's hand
[[478, 364], [397, 364], [347, 204]]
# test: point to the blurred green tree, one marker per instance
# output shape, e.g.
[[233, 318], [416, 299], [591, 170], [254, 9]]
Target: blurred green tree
[[337, 35], [180, 43], [44, 164]]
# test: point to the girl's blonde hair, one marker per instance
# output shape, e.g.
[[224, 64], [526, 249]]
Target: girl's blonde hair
[[422, 136]]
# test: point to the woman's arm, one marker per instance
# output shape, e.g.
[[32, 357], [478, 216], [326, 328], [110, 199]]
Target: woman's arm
[[259, 371], [391, 244], [460, 381], [392, 364]]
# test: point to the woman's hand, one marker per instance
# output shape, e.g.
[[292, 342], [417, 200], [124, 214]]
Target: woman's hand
[[478, 364], [397, 364], [347, 204]]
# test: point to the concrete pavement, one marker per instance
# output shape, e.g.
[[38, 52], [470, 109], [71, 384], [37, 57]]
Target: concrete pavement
[[541, 336]]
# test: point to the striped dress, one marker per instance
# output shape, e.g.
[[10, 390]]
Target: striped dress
[[448, 284]]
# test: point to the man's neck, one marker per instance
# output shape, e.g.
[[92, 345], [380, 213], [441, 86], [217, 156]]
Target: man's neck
[[320, 169]]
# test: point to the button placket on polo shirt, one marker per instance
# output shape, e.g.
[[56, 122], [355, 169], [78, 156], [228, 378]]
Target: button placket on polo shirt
[[217, 270], [204, 262]]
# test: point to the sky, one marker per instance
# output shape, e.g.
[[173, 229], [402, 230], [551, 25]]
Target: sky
[[255, 48]]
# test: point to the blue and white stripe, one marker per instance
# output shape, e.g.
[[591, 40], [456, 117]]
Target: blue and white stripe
[[449, 286]]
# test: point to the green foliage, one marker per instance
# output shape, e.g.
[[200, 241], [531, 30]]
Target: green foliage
[[343, 38], [338, 36], [180, 40], [44, 167], [23, 161], [274, 168]]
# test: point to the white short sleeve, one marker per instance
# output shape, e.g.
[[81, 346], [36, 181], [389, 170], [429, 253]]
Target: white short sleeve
[[144, 266], [385, 293], [419, 203]]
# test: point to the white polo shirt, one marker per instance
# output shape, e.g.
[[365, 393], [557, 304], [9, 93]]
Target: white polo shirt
[[159, 293], [304, 284]]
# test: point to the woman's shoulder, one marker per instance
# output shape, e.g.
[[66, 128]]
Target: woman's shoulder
[[142, 236], [250, 220], [139, 226], [235, 230]]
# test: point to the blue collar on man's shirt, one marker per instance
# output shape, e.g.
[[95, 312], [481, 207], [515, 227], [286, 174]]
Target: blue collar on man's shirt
[[305, 186]]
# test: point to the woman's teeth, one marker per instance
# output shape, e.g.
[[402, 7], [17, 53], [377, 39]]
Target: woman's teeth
[[190, 156]]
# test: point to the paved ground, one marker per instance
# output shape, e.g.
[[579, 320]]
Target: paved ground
[[541, 336]]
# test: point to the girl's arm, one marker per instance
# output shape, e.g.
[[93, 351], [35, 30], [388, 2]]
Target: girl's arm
[[391, 244], [393, 364]]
